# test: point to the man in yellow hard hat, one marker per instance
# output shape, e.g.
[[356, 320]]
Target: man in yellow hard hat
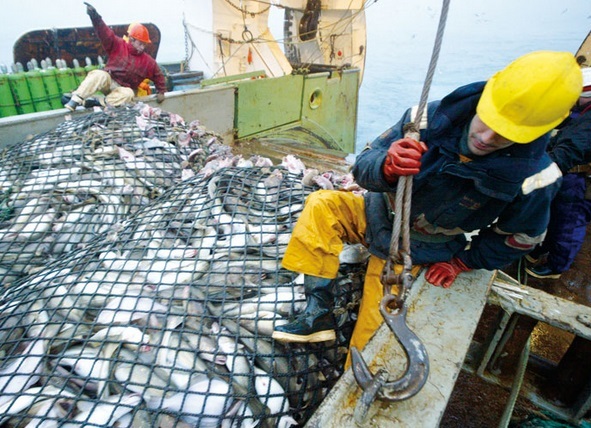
[[127, 66], [481, 166]]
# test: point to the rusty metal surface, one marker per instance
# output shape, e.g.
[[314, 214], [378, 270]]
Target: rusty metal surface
[[533, 314], [299, 143]]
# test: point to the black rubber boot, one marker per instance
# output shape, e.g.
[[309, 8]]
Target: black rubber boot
[[92, 102], [88, 102], [71, 105], [316, 323], [66, 98]]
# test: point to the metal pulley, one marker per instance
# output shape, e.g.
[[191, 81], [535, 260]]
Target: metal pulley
[[309, 23]]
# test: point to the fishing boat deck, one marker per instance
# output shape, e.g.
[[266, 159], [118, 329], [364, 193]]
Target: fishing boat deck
[[457, 313], [433, 311]]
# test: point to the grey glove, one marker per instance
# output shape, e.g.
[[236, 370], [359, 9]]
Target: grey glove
[[91, 11], [159, 98]]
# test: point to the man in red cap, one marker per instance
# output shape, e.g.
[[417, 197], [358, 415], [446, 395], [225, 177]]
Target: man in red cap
[[127, 66]]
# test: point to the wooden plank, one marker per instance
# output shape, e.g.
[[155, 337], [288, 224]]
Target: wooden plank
[[515, 298], [564, 314], [445, 320]]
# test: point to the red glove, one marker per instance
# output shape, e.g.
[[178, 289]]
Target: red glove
[[444, 273], [403, 158]]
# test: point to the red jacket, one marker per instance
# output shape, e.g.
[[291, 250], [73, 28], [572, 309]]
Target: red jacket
[[127, 65]]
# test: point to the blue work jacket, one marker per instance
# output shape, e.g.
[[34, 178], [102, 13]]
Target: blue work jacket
[[571, 146], [502, 198]]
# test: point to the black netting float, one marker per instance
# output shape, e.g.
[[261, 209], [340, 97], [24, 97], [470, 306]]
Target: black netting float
[[165, 317]]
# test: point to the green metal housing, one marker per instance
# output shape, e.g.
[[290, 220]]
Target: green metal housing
[[321, 108]]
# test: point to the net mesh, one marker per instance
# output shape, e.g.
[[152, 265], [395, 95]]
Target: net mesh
[[62, 188], [158, 310]]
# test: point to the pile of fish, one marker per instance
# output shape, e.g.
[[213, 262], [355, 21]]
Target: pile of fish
[[64, 187], [163, 315]]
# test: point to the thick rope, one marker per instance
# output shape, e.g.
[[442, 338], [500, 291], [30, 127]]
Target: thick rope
[[404, 187]]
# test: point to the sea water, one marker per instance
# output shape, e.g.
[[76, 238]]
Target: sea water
[[480, 39]]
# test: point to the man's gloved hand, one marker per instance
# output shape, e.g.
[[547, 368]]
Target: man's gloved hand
[[159, 97], [91, 11], [403, 158], [444, 273]]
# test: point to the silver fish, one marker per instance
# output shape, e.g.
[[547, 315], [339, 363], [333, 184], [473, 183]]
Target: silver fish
[[236, 361], [204, 397], [272, 395], [283, 303], [58, 298], [48, 396], [23, 372], [130, 309], [142, 379], [107, 412], [263, 322]]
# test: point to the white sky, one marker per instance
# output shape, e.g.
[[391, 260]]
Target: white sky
[[518, 18], [405, 19], [481, 37], [20, 16]]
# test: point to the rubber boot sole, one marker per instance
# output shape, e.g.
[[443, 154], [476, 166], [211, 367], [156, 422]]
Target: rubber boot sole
[[319, 336], [535, 275]]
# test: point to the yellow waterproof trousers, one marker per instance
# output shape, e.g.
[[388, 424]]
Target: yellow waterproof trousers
[[369, 318], [329, 219], [100, 81]]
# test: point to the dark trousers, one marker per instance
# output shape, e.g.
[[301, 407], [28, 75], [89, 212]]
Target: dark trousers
[[570, 214]]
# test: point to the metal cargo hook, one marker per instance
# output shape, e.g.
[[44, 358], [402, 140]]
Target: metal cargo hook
[[393, 308], [393, 311]]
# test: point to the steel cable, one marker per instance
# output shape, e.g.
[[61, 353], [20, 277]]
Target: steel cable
[[404, 190]]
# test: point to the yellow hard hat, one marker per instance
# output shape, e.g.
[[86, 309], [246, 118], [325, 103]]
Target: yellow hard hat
[[531, 96]]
